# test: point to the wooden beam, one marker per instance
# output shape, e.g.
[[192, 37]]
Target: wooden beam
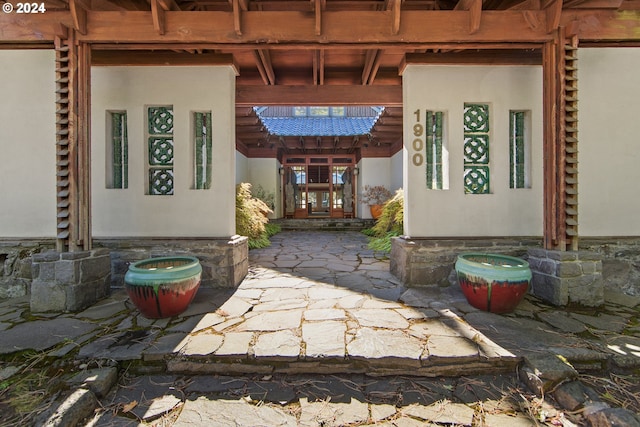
[[319, 6], [419, 28], [149, 58], [319, 95], [321, 67], [158, 15], [553, 12], [169, 5], [493, 57], [79, 10]]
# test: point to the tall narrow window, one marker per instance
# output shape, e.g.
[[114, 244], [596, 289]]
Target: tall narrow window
[[435, 180], [476, 149], [117, 150], [518, 150], [160, 143], [203, 148]]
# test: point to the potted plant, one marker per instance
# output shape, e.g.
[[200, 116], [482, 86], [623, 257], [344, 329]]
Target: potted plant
[[375, 196]]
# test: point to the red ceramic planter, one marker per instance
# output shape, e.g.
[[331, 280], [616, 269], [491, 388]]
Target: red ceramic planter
[[494, 283], [163, 287]]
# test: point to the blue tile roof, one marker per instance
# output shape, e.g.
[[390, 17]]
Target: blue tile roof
[[319, 126]]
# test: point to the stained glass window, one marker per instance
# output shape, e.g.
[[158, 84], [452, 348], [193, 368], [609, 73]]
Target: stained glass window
[[518, 177], [160, 150], [203, 149], [476, 149], [434, 150], [119, 150]]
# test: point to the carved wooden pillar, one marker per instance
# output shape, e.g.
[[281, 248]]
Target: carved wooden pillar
[[560, 148], [73, 173]]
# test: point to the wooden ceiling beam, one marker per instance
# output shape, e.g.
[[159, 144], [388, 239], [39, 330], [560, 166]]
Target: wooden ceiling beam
[[473, 58], [394, 7], [553, 13], [419, 27], [236, 17], [319, 95], [150, 58]]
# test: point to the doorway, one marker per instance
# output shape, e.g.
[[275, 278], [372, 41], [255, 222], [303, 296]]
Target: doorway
[[319, 186]]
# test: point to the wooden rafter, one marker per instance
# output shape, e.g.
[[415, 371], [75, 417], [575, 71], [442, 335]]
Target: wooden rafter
[[319, 95], [158, 15], [553, 12], [474, 8], [394, 7], [319, 6], [79, 10], [264, 59], [236, 17]]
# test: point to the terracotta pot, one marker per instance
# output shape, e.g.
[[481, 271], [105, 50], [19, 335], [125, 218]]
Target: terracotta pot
[[495, 283], [376, 211], [163, 287]]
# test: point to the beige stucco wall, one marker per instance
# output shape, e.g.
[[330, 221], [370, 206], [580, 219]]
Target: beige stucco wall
[[504, 212], [396, 171], [608, 141], [373, 171], [27, 144], [189, 212], [264, 172], [242, 167]]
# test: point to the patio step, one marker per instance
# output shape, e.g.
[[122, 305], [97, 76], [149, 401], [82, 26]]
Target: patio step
[[324, 224]]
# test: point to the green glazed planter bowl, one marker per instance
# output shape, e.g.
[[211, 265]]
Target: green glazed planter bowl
[[163, 287], [494, 283]]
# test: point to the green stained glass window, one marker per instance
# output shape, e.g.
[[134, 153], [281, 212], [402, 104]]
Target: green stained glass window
[[160, 150], [203, 149], [434, 160], [476, 149], [119, 150], [517, 150]]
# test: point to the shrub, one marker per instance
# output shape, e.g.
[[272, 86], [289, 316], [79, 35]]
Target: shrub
[[251, 218], [390, 224]]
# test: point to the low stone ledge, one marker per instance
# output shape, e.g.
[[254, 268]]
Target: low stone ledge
[[567, 277], [429, 261], [69, 281], [224, 261]]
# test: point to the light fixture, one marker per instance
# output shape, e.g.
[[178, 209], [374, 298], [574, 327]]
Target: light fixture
[[356, 170], [281, 170]]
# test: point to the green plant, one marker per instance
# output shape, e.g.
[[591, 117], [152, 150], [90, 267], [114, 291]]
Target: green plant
[[268, 197], [251, 218], [375, 195], [390, 224]]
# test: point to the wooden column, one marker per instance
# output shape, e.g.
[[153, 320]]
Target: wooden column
[[560, 147], [73, 168]]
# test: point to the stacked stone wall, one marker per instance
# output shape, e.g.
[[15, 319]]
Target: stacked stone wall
[[15, 265], [69, 281], [225, 262], [620, 261], [424, 262], [567, 277]]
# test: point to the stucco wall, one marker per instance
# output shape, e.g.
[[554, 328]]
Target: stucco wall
[[189, 212], [504, 212], [608, 141], [27, 144], [373, 171], [396, 171], [264, 172], [242, 167]]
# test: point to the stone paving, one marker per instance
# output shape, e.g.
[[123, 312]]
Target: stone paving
[[321, 303]]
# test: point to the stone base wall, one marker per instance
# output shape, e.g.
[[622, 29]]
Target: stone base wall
[[225, 262], [15, 265], [430, 261], [69, 281], [567, 277], [620, 261]]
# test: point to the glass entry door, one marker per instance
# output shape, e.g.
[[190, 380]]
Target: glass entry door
[[318, 187]]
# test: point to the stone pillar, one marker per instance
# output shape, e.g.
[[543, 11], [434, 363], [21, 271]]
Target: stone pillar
[[69, 281], [567, 277]]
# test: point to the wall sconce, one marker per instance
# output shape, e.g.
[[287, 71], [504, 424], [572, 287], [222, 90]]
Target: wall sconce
[[356, 171], [281, 171]]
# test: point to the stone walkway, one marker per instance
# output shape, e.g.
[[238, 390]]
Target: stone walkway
[[317, 303]]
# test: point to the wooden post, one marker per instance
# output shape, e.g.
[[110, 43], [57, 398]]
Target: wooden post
[[560, 149], [73, 174]]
